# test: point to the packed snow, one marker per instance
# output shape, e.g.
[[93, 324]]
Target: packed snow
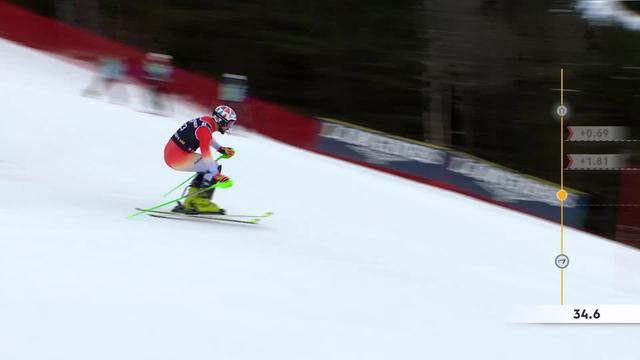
[[355, 264]]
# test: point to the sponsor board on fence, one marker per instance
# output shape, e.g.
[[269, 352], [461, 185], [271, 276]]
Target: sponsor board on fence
[[456, 170]]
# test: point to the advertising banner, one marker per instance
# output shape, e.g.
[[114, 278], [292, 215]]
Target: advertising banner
[[450, 169]]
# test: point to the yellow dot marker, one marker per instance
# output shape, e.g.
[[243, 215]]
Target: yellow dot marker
[[562, 195]]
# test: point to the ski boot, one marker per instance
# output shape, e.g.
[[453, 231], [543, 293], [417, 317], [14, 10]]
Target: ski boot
[[191, 192], [202, 204], [187, 206]]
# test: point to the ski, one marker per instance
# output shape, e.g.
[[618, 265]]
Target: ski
[[244, 219], [203, 218], [264, 215], [222, 185], [179, 216]]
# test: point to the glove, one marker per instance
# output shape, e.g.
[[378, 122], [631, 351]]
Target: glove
[[226, 151], [220, 178], [222, 181]]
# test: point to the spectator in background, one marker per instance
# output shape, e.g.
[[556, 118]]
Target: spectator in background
[[157, 74], [111, 71]]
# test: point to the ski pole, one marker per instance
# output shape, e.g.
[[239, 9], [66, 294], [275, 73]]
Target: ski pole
[[222, 185], [190, 177], [179, 185]]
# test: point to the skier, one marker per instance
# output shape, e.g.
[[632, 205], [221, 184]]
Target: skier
[[179, 154]]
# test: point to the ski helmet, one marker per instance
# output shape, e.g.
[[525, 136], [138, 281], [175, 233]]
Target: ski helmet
[[225, 117]]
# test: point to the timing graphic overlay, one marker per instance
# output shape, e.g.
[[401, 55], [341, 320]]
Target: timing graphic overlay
[[563, 313]]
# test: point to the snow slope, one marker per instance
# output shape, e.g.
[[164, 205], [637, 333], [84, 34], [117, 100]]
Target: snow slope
[[355, 264]]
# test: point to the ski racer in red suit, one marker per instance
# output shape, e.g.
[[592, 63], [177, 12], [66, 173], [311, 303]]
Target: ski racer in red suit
[[180, 154]]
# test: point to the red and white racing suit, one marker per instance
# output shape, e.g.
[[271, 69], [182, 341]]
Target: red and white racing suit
[[179, 153]]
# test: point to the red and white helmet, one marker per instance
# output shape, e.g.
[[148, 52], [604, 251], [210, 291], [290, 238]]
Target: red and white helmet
[[225, 117]]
